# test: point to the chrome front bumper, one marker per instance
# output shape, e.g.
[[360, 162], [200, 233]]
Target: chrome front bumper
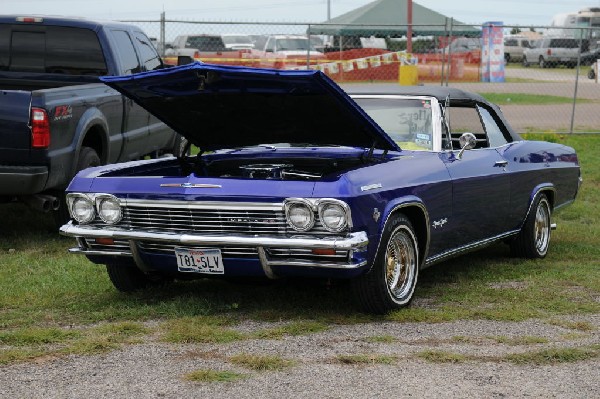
[[355, 243]]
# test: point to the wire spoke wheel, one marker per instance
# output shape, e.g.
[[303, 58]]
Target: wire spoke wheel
[[400, 261], [534, 239], [390, 284], [542, 227]]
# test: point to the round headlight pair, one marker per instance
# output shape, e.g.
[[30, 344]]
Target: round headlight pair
[[109, 209], [333, 214], [83, 208], [300, 215]]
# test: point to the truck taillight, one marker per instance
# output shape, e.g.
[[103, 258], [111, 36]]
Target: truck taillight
[[549, 52], [196, 54], [40, 128]]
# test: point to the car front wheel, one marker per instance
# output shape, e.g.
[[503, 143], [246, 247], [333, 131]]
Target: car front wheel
[[126, 277], [525, 63], [391, 282], [534, 239]]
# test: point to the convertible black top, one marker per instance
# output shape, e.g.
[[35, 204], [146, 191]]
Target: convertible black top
[[456, 96], [438, 92]]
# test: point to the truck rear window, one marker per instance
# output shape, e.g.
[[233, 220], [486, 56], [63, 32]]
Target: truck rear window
[[51, 49]]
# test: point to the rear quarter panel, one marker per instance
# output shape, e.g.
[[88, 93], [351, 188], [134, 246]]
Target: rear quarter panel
[[535, 164]]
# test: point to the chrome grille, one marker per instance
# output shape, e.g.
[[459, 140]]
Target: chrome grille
[[228, 252], [209, 218], [306, 254]]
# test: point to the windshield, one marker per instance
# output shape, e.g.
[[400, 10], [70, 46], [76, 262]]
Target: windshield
[[293, 44], [233, 39], [407, 121]]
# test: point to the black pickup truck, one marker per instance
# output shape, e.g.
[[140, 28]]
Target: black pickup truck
[[56, 118]]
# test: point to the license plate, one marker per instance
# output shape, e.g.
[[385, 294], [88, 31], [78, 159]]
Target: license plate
[[199, 260]]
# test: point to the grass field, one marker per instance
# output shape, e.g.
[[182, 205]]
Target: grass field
[[54, 303], [529, 99]]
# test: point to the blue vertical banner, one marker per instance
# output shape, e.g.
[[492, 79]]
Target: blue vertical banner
[[492, 52]]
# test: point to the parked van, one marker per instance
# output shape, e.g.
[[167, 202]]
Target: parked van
[[514, 47]]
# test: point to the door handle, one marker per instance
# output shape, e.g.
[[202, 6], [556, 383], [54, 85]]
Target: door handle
[[501, 164]]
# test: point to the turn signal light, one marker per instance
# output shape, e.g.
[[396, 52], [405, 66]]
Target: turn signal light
[[323, 251], [105, 241]]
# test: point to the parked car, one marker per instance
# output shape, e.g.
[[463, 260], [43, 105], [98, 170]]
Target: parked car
[[592, 72], [56, 117], [288, 52], [469, 48], [514, 46], [208, 48], [237, 41], [552, 52], [589, 57], [370, 188]]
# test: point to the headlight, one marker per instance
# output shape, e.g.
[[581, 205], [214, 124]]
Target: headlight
[[333, 215], [299, 215], [81, 208], [109, 209]]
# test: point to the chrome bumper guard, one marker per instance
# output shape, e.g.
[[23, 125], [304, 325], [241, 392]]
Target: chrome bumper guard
[[355, 242]]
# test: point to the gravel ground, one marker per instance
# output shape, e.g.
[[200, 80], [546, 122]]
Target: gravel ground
[[155, 370]]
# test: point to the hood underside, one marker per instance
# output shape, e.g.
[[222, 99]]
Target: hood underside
[[217, 107]]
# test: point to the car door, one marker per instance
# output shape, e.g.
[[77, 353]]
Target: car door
[[135, 118], [480, 181]]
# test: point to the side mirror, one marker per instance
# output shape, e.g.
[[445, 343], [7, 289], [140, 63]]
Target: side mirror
[[467, 141]]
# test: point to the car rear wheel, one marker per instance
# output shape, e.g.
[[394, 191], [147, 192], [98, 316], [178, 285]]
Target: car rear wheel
[[126, 277], [391, 282], [534, 239]]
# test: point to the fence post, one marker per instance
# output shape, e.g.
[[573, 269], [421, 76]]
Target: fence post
[[308, 47], [162, 34], [576, 80]]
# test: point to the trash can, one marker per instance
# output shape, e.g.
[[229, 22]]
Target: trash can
[[408, 75]]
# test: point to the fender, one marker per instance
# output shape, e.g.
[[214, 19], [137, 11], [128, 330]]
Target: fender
[[537, 190], [91, 117], [397, 204]]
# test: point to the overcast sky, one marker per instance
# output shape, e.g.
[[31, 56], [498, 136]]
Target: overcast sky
[[511, 12]]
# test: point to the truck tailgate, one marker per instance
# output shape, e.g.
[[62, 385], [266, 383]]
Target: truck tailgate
[[14, 122]]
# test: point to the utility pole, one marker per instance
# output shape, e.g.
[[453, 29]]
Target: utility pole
[[328, 10], [409, 15]]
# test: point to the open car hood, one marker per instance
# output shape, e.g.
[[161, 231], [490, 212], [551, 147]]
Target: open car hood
[[217, 107]]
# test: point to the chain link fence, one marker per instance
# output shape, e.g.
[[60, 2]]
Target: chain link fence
[[543, 82]]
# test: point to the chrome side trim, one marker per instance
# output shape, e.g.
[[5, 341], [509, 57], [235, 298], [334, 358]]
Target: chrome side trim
[[353, 241], [538, 191], [469, 247]]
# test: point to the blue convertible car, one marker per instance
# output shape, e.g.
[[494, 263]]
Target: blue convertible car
[[294, 177]]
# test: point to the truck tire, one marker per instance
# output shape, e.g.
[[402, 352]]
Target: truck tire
[[180, 146], [542, 62], [88, 157], [591, 74]]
